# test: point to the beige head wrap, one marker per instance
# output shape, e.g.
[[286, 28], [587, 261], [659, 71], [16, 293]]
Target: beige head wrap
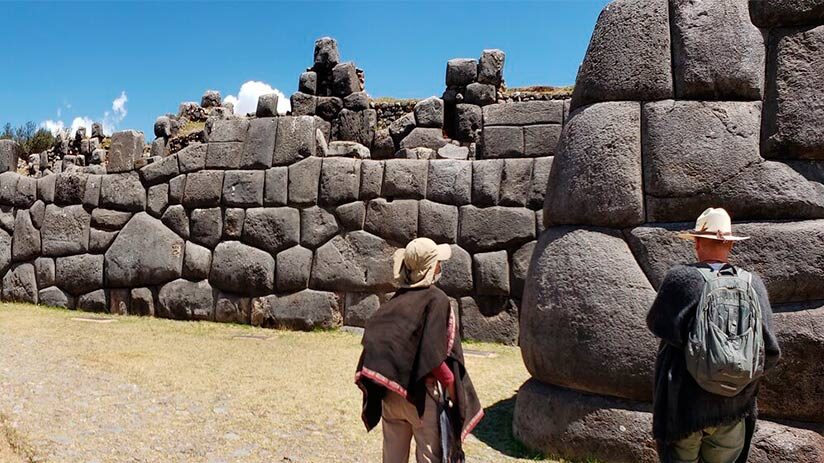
[[414, 266]]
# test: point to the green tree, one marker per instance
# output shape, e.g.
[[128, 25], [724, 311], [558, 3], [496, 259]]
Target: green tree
[[29, 137]]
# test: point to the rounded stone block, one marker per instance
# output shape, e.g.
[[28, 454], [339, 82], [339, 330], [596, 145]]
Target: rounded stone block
[[395, 221], [489, 319], [242, 269], [145, 253], [357, 261], [596, 177], [579, 426], [79, 274], [493, 228], [583, 314], [272, 229], [186, 300], [629, 55], [305, 310]]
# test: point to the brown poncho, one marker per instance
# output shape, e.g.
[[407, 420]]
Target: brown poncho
[[404, 341]]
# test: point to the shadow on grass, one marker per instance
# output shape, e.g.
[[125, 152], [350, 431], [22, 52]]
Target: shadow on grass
[[495, 430]]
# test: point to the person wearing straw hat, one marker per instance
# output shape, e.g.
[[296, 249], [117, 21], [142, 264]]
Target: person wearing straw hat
[[411, 357], [715, 325]]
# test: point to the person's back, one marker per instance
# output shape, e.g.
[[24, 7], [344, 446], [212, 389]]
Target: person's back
[[689, 421]]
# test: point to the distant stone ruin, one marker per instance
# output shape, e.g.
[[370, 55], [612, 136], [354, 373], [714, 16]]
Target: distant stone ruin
[[288, 220], [678, 106]]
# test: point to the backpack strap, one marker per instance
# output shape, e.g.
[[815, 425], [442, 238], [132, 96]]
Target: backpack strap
[[707, 273]]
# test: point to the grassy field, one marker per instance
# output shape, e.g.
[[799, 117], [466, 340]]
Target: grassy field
[[142, 389]]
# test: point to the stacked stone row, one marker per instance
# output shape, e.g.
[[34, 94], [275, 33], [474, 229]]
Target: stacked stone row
[[254, 227], [678, 106], [334, 91]]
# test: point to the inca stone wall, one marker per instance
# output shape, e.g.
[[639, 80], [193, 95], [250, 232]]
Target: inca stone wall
[[678, 106], [286, 221]]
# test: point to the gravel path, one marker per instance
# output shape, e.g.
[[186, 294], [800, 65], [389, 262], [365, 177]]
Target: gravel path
[[147, 390]]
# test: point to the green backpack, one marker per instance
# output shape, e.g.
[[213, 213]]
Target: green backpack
[[725, 347]]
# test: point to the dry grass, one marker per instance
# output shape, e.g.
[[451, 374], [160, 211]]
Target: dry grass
[[282, 394], [191, 127]]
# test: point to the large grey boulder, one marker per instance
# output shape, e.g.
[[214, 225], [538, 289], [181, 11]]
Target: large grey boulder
[[718, 54], [793, 103], [242, 269], [44, 270], [351, 216], [421, 137], [359, 307], [20, 284], [524, 113], [126, 148], [480, 94], [357, 261], [79, 274], [260, 143], [272, 229], [577, 425], [226, 130], [157, 199], [203, 189], [502, 142], [405, 178], [579, 278], [438, 222], [347, 149], [429, 112], [142, 302], [357, 101], [303, 178], [357, 126], [295, 139], [339, 181], [491, 271], [293, 269], [224, 155], [345, 79], [26, 192], [197, 261], [402, 126], [177, 220], [629, 55], [468, 121], [541, 140], [461, 72], [316, 226], [267, 105], [233, 222], [489, 319], [450, 182], [493, 228], [243, 188], [65, 230], [520, 266], [303, 104], [186, 300], [276, 186], [123, 192], [53, 296], [25, 243], [231, 308], [540, 178], [328, 107], [305, 310], [491, 67], [371, 180], [793, 389], [396, 221], [326, 53], [516, 182], [95, 301], [192, 158], [145, 253], [160, 171], [69, 188], [486, 181], [784, 13], [456, 273], [596, 176], [206, 226]]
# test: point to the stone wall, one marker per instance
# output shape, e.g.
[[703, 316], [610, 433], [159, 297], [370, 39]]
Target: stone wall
[[678, 106], [261, 224]]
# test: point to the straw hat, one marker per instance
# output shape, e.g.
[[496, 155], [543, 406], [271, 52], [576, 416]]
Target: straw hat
[[414, 266], [713, 224]]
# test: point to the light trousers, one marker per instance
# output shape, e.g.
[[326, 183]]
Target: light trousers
[[401, 423], [716, 444]]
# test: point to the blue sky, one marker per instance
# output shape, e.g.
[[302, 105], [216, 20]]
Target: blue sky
[[127, 63]]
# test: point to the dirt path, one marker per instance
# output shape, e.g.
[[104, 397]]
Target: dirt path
[[148, 390]]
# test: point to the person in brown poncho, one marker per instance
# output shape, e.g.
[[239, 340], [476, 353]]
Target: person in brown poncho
[[411, 356]]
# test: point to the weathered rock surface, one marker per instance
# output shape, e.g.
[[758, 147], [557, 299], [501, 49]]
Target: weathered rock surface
[[456, 273], [489, 319], [186, 300], [357, 261], [65, 230], [395, 221], [272, 229], [404, 178], [629, 56], [242, 269], [596, 176], [305, 310], [197, 261], [293, 269], [145, 253], [449, 182], [79, 274], [20, 284], [784, 13], [579, 278], [485, 229], [717, 52]]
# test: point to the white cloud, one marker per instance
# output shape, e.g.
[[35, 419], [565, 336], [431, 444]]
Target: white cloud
[[110, 119], [246, 100], [52, 126]]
